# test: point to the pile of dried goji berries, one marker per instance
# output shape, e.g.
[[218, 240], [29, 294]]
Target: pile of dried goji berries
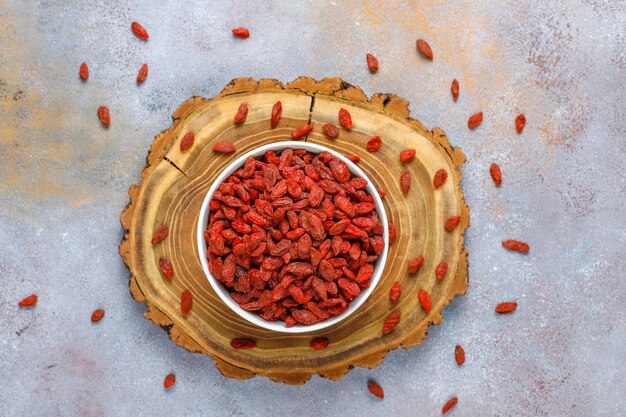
[[293, 236]]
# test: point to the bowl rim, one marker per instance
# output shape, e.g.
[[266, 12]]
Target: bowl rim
[[222, 292]]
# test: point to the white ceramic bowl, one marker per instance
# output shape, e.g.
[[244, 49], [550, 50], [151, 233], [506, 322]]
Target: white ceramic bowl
[[252, 317]]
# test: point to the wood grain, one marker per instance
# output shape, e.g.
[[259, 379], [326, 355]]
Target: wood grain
[[174, 184]]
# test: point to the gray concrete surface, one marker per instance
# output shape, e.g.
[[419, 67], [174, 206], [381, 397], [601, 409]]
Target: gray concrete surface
[[64, 179]]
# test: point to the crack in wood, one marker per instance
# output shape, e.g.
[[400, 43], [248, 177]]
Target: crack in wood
[[174, 165]]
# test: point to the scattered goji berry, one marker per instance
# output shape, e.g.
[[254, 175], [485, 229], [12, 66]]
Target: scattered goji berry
[[345, 119], [302, 131], [242, 113], [372, 62], [520, 122], [160, 234], [394, 292], [392, 234], [424, 48], [97, 315], [224, 147], [319, 343], [242, 33], [374, 144], [496, 174], [169, 381], [506, 307], [454, 88], [452, 223], [353, 158], [83, 72], [185, 302], [142, 74], [376, 389], [459, 355], [407, 155], [441, 270], [330, 130], [449, 404], [405, 182], [516, 245], [187, 141], [277, 110], [440, 178], [139, 31], [166, 268], [103, 115], [31, 300], [415, 264], [381, 193], [243, 344], [391, 322], [424, 299], [475, 120]]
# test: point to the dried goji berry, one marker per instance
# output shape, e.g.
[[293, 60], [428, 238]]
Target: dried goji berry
[[187, 141], [300, 132], [516, 245], [475, 120], [459, 355], [441, 270], [242, 113], [374, 144], [224, 147], [381, 193], [424, 48], [391, 322], [394, 292], [424, 299], [97, 315], [506, 307], [83, 72], [277, 110], [449, 404], [452, 223], [405, 182], [103, 115], [242, 33], [392, 234], [372, 62], [415, 264], [142, 74], [353, 158], [407, 155], [496, 174], [185, 302], [454, 88], [139, 31], [243, 343], [375, 389], [166, 268], [31, 300], [330, 130], [345, 119], [319, 343], [169, 381], [160, 234], [520, 122], [440, 178]]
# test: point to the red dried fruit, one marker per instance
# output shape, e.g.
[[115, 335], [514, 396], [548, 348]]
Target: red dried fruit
[[139, 31], [375, 389], [454, 88], [242, 33], [424, 299], [185, 302], [475, 120], [277, 110], [142, 74], [224, 147], [381, 193], [97, 315], [166, 268], [303, 131], [353, 158], [452, 223], [103, 115], [407, 155], [415, 264], [520, 122], [459, 355], [496, 174], [330, 130], [242, 343], [516, 245], [169, 381], [160, 234], [441, 270], [187, 141], [440, 178], [372, 62], [405, 182], [31, 300], [394, 292], [392, 234], [449, 404], [374, 144], [424, 48], [345, 119], [83, 72], [319, 343], [391, 322], [506, 307], [242, 113]]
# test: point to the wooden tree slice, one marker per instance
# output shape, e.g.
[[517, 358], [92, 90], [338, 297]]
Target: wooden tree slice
[[174, 184]]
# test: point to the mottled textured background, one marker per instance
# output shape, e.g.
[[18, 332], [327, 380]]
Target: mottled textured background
[[64, 182]]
